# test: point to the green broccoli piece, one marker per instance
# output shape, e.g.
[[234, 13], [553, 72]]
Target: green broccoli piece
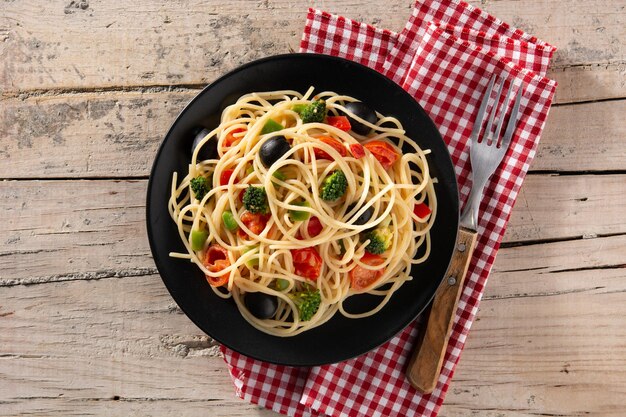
[[313, 112], [334, 186], [307, 302], [255, 200], [380, 238], [200, 186]]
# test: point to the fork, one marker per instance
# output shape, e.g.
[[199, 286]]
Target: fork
[[485, 157]]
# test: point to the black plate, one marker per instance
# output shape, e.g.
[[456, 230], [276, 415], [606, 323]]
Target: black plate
[[340, 338]]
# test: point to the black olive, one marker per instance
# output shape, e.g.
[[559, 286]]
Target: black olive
[[360, 109], [261, 305], [363, 218], [272, 149], [209, 149]]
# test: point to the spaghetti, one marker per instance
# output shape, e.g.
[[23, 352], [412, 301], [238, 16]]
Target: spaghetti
[[298, 212]]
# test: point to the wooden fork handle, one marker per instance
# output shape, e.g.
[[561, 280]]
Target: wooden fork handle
[[425, 365]]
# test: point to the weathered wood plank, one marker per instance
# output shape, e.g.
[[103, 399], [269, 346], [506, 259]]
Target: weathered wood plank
[[48, 407], [90, 342], [150, 43], [584, 83], [92, 135], [116, 134], [552, 207], [67, 230], [73, 230], [108, 347], [191, 43], [583, 137]]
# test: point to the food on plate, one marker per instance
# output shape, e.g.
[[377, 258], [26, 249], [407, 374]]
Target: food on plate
[[297, 202]]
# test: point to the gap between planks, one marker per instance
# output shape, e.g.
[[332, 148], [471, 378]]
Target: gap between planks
[[193, 88]]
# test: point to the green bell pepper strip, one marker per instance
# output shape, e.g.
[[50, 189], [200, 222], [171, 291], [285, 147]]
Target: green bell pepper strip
[[198, 237], [252, 261], [271, 126], [281, 284], [229, 221], [298, 216]]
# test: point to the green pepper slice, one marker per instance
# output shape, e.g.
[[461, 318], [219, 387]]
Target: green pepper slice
[[271, 126], [297, 215], [198, 237], [229, 221]]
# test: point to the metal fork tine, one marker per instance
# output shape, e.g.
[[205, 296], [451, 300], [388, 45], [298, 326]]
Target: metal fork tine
[[488, 136], [501, 121], [510, 128], [481, 111]]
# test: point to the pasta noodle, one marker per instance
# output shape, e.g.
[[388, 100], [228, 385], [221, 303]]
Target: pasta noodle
[[304, 248]]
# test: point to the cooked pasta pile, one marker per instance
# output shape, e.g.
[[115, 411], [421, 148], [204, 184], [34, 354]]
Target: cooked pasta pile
[[293, 211]]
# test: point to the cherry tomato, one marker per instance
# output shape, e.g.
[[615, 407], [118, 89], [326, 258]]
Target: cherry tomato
[[254, 221], [215, 260], [230, 139], [307, 263], [314, 227], [358, 151], [360, 277], [384, 152], [421, 210], [340, 122], [225, 176], [338, 146]]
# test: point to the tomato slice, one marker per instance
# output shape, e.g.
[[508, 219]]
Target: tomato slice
[[340, 122], [215, 260], [307, 263], [256, 222], [230, 139], [360, 277], [358, 151], [225, 176], [314, 227], [384, 152], [421, 210], [338, 146]]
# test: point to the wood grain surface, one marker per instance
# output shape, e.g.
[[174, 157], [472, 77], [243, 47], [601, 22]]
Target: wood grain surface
[[87, 91]]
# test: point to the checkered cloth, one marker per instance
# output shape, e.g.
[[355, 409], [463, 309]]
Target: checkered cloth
[[444, 57]]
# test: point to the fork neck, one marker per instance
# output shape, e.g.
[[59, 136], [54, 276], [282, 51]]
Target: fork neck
[[469, 216]]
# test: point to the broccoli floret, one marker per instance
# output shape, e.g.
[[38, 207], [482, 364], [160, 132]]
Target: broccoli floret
[[314, 112], [255, 200], [334, 186], [199, 186], [307, 302], [380, 238]]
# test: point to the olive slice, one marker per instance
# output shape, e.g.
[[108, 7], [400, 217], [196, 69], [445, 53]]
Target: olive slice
[[209, 149], [261, 305], [364, 112], [363, 218], [273, 149]]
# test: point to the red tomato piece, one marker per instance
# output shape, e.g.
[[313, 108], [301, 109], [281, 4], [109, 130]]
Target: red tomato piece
[[338, 146], [307, 263], [384, 152], [215, 260], [421, 210], [314, 227], [225, 176], [230, 139], [340, 122], [358, 151], [360, 277], [254, 221]]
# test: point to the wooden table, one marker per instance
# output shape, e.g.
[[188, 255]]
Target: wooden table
[[88, 89]]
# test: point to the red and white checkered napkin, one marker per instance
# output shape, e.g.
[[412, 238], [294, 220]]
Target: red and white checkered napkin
[[444, 57]]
